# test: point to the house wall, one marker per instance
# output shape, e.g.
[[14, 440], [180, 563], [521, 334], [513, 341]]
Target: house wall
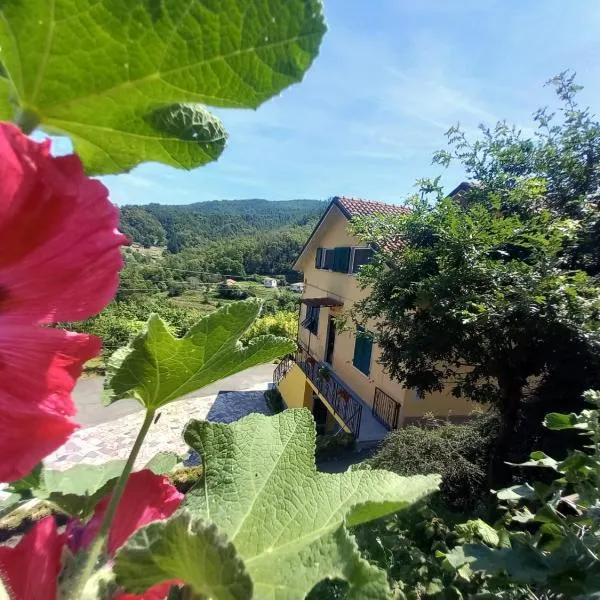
[[320, 283], [293, 388]]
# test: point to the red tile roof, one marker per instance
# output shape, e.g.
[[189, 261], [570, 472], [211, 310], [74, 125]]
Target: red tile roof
[[355, 207]]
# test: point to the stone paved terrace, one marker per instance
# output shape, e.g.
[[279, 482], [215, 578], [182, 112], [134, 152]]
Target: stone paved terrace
[[113, 439]]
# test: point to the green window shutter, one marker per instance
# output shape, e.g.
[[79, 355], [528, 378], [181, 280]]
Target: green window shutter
[[316, 311], [363, 348], [328, 260], [318, 258], [341, 259]]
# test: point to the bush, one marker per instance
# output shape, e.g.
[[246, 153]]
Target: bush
[[232, 292], [283, 301], [284, 324], [274, 401], [120, 320], [459, 453], [331, 446], [185, 478]]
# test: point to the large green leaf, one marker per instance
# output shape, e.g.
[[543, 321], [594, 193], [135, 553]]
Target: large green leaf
[[75, 490], [127, 80], [186, 550], [157, 368], [522, 562], [286, 520]]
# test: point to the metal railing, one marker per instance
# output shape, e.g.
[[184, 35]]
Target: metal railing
[[385, 409], [344, 403], [285, 364]]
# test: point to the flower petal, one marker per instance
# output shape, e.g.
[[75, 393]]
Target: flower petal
[[30, 569], [59, 241], [26, 437], [160, 591], [38, 369], [147, 497]]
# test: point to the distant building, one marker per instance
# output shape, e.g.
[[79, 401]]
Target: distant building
[[297, 287], [269, 282], [336, 372]]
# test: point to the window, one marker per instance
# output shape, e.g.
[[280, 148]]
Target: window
[[319, 258], [311, 320], [363, 348], [324, 258], [341, 259], [360, 257]]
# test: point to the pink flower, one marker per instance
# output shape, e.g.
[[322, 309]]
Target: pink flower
[[147, 497], [59, 260], [30, 570], [160, 591]]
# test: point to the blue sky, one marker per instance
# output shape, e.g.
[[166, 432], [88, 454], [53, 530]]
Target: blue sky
[[391, 77]]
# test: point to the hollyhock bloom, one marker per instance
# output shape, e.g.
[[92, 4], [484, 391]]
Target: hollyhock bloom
[[156, 592], [147, 497], [30, 570], [59, 261]]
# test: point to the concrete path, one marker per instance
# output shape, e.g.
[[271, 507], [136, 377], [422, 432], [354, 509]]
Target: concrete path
[[91, 410], [108, 432], [114, 439]]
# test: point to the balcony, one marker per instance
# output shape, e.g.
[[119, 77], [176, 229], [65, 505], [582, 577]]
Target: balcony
[[345, 404], [386, 410]]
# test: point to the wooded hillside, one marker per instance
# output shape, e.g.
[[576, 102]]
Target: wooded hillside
[[185, 226]]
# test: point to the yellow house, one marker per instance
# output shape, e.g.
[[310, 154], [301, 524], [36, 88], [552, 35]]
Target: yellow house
[[336, 374]]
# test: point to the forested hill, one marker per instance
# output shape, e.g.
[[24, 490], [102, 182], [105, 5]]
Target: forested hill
[[190, 225]]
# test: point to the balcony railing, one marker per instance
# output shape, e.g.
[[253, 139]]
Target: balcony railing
[[344, 403], [285, 364], [385, 409]]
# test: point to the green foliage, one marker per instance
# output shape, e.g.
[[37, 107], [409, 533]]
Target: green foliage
[[122, 106], [263, 466], [493, 292], [331, 446], [141, 226], [186, 549], [185, 478], [274, 401], [232, 292], [284, 324], [283, 301], [407, 546], [77, 490], [157, 368], [163, 462], [460, 453], [192, 225], [552, 532], [121, 320]]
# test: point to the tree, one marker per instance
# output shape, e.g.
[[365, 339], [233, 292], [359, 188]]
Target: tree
[[493, 291]]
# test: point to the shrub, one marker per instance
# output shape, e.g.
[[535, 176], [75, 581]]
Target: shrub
[[233, 292], [284, 324], [274, 401], [330, 446], [460, 453], [186, 477]]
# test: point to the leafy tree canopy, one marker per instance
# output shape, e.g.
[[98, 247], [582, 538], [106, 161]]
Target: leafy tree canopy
[[493, 291]]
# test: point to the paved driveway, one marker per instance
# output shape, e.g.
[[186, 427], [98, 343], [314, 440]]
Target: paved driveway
[[108, 432], [91, 411]]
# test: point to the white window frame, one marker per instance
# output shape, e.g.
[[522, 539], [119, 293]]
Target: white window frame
[[351, 263], [322, 265]]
